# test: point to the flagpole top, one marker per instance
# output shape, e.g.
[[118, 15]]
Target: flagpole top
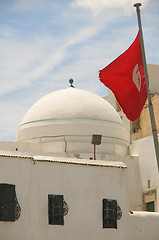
[[137, 5]]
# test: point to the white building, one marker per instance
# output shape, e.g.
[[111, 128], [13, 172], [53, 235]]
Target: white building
[[51, 187]]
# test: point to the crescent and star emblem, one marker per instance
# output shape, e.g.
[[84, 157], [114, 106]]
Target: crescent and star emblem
[[137, 77]]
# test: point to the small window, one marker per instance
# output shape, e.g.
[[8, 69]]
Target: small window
[[56, 209], [150, 206], [149, 200], [109, 213], [9, 206]]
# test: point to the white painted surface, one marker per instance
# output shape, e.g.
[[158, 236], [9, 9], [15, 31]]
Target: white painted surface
[[144, 149], [71, 103], [83, 188], [144, 226], [73, 115], [111, 98]]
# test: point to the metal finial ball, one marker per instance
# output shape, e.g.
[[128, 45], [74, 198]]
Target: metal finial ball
[[71, 81]]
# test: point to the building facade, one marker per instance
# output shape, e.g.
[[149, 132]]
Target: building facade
[[57, 183]]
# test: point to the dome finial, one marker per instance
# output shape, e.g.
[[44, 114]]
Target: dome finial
[[71, 82]]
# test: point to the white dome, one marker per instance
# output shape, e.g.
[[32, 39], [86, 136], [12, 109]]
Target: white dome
[[71, 112], [71, 103]]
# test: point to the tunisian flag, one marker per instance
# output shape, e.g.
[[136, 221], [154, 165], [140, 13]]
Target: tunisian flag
[[126, 78]]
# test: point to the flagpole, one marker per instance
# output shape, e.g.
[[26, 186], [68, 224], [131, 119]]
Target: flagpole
[[151, 111]]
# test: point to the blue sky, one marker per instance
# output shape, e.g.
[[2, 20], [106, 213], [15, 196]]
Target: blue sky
[[45, 43]]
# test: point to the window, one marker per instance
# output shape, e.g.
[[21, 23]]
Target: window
[[150, 200], [57, 209], [9, 206], [109, 213], [150, 206]]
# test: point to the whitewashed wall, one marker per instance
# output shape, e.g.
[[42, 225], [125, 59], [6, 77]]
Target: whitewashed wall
[[144, 226], [144, 149], [83, 188]]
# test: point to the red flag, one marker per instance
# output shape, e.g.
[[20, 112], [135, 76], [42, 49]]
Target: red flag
[[126, 78]]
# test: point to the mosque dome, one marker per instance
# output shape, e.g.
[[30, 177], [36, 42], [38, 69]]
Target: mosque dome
[[73, 114]]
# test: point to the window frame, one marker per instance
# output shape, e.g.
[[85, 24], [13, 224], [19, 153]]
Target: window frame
[[55, 209], [109, 213], [9, 206]]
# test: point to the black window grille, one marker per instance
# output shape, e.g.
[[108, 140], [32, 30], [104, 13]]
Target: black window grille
[[109, 213], [56, 210], [9, 206]]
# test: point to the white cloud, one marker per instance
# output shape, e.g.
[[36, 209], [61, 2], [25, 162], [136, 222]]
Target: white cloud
[[83, 35], [97, 6], [11, 114], [25, 62]]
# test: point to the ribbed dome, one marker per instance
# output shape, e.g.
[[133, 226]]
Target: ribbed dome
[[71, 112]]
